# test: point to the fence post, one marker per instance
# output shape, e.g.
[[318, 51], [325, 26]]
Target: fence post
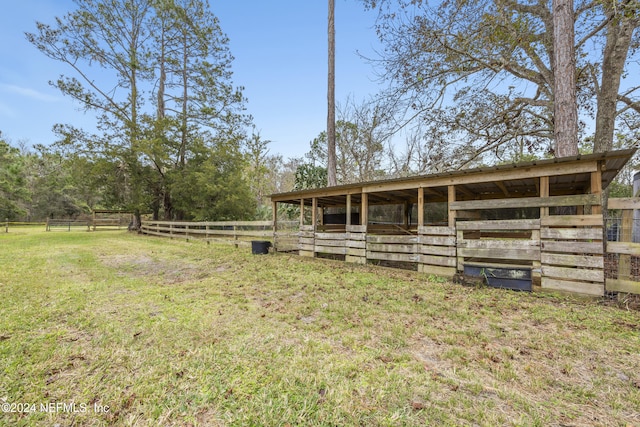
[[6, 226], [235, 235]]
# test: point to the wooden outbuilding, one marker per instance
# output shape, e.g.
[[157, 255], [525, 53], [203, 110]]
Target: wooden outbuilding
[[530, 226]]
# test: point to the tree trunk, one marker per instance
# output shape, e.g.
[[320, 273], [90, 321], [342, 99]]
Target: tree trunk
[[619, 35], [565, 106], [331, 99]]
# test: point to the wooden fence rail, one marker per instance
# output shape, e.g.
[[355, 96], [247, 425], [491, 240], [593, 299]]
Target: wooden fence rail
[[67, 224], [235, 232]]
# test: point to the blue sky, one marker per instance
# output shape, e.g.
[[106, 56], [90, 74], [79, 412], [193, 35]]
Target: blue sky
[[280, 50]]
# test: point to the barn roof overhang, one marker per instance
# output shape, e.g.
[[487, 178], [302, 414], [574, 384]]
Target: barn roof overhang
[[567, 175]]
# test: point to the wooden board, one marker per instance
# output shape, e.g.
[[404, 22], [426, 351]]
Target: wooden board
[[356, 236], [572, 220], [330, 250], [409, 239], [596, 289], [573, 247], [578, 274], [528, 202], [620, 285], [572, 233], [356, 252], [507, 224], [436, 230], [500, 244], [328, 242], [356, 244], [437, 240], [627, 248], [331, 236], [378, 247], [392, 256], [438, 260], [437, 250], [624, 203], [514, 254], [572, 260]]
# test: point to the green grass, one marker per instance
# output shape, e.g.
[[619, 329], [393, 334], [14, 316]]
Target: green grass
[[176, 333]]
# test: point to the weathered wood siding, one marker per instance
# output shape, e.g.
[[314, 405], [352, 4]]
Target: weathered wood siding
[[437, 250], [572, 254]]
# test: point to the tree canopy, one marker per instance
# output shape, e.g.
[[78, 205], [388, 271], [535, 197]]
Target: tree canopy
[[478, 77], [157, 74]]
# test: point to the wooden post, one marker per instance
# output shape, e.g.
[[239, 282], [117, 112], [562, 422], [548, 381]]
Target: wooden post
[[235, 235], [274, 219], [451, 198], [626, 235], [301, 213], [348, 219], [94, 220], [6, 225], [420, 207], [596, 188], [364, 209], [314, 212], [544, 192]]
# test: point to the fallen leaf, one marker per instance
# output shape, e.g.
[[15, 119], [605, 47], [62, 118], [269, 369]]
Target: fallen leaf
[[418, 405]]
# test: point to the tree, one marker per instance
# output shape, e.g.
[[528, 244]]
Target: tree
[[331, 98], [195, 98], [480, 74], [361, 131], [13, 191], [565, 108], [104, 43], [157, 74]]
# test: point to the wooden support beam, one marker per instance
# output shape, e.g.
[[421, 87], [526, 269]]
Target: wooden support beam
[[502, 188], [420, 207], [314, 213], [452, 198], [364, 209], [348, 223], [301, 212], [466, 192], [274, 216], [596, 188], [624, 203], [544, 192]]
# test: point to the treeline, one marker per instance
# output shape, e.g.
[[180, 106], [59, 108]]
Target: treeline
[[43, 182]]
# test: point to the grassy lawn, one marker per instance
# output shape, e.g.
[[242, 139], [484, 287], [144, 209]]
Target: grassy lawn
[[175, 333]]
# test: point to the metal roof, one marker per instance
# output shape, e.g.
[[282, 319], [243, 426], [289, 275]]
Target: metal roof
[[567, 175]]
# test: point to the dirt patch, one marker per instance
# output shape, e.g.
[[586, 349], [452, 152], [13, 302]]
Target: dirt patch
[[164, 271]]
